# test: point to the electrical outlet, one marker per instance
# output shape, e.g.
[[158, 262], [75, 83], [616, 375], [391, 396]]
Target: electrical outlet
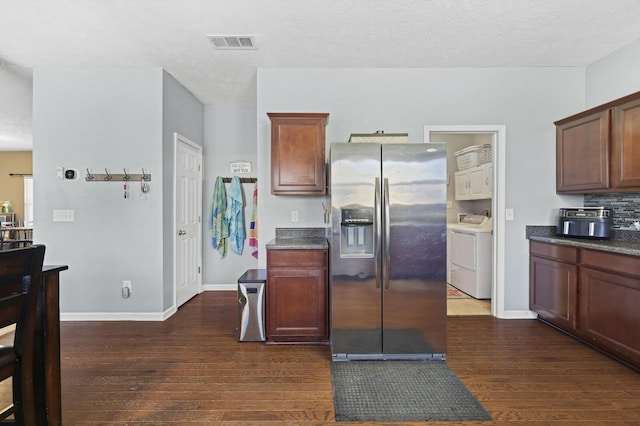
[[294, 215], [126, 288]]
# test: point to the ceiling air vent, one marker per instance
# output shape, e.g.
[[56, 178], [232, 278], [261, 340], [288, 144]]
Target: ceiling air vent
[[232, 42]]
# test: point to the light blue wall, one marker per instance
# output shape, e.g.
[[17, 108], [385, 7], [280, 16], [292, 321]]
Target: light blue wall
[[614, 76], [184, 114], [230, 133], [527, 101], [95, 120], [126, 118], [114, 119]]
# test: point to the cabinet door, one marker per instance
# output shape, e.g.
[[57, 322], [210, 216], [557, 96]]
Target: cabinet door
[[297, 304], [609, 314], [477, 185], [461, 181], [553, 291], [626, 146], [298, 154], [488, 179], [582, 154], [480, 182]]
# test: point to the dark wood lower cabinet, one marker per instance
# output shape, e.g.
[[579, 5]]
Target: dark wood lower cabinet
[[297, 295], [595, 299], [553, 274], [610, 303]]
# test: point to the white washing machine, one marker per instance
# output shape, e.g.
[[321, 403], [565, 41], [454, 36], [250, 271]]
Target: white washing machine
[[469, 255]]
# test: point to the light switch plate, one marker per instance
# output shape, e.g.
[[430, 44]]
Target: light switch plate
[[508, 214], [63, 215]]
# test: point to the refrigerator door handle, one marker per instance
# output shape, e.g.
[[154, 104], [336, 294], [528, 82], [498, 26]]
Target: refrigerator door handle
[[378, 247], [387, 231]]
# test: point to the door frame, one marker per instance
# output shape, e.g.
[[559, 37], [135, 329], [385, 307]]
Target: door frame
[[179, 139], [498, 148]]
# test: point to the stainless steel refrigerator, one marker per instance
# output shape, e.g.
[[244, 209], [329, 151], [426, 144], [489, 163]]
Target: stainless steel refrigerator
[[388, 251]]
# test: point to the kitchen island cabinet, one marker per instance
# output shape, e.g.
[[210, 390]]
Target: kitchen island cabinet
[[598, 150], [298, 164], [589, 293]]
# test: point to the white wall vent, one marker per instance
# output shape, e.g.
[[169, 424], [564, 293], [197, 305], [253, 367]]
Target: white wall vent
[[232, 42]]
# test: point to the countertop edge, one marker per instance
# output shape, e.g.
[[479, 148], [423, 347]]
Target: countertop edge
[[297, 244], [620, 247]]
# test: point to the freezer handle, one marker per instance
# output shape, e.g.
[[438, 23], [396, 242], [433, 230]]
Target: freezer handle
[[387, 231], [378, 246]]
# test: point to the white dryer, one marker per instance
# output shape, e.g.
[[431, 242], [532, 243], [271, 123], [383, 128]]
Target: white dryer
[[469, 255]]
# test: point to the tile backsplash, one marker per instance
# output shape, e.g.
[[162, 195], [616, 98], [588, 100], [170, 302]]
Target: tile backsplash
[[625, 206]]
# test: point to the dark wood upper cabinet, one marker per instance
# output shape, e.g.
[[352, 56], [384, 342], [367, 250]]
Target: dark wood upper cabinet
[[598, 150], [582, 153], [626, 146], [298, 165]]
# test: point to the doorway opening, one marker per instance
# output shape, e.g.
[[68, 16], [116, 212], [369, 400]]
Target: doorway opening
[[497, 136]]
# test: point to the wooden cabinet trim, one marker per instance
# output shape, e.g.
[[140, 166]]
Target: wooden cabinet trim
[[629, 98], [554, 251], [298, 258], [618, 263]]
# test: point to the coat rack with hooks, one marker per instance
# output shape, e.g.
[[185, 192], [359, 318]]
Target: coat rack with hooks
[[242, 180], [117, 177]]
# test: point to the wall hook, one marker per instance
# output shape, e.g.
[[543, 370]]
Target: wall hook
[[126, 176], [145, 176], [89, 176], [108, 175]]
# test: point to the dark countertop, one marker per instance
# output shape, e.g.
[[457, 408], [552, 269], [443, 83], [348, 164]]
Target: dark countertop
[[622, 242], [299, 239]]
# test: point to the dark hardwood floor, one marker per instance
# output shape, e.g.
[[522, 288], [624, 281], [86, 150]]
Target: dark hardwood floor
[[191, 370]]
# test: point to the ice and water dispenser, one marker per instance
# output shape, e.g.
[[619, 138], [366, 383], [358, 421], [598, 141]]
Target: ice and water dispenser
[[357, 234]]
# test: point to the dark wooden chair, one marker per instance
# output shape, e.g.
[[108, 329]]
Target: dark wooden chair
[[20, 283]]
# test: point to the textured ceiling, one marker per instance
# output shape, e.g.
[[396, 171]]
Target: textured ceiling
[[171, 34]]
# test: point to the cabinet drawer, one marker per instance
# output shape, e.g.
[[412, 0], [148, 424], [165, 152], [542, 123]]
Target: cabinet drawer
[[620, 263], [553, 251], [296, 258]]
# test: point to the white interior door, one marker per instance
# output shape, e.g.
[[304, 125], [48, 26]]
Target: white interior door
[[188, 219]]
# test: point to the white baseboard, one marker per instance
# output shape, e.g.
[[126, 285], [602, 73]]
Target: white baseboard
[[518, 315], [220, 287], [117, 316], [137, 316]]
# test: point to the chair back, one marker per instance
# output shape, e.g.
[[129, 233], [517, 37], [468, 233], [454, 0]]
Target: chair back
[[20, 284]]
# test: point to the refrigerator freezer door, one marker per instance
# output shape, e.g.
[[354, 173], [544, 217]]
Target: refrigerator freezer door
[[414, 301], [355, 287]]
